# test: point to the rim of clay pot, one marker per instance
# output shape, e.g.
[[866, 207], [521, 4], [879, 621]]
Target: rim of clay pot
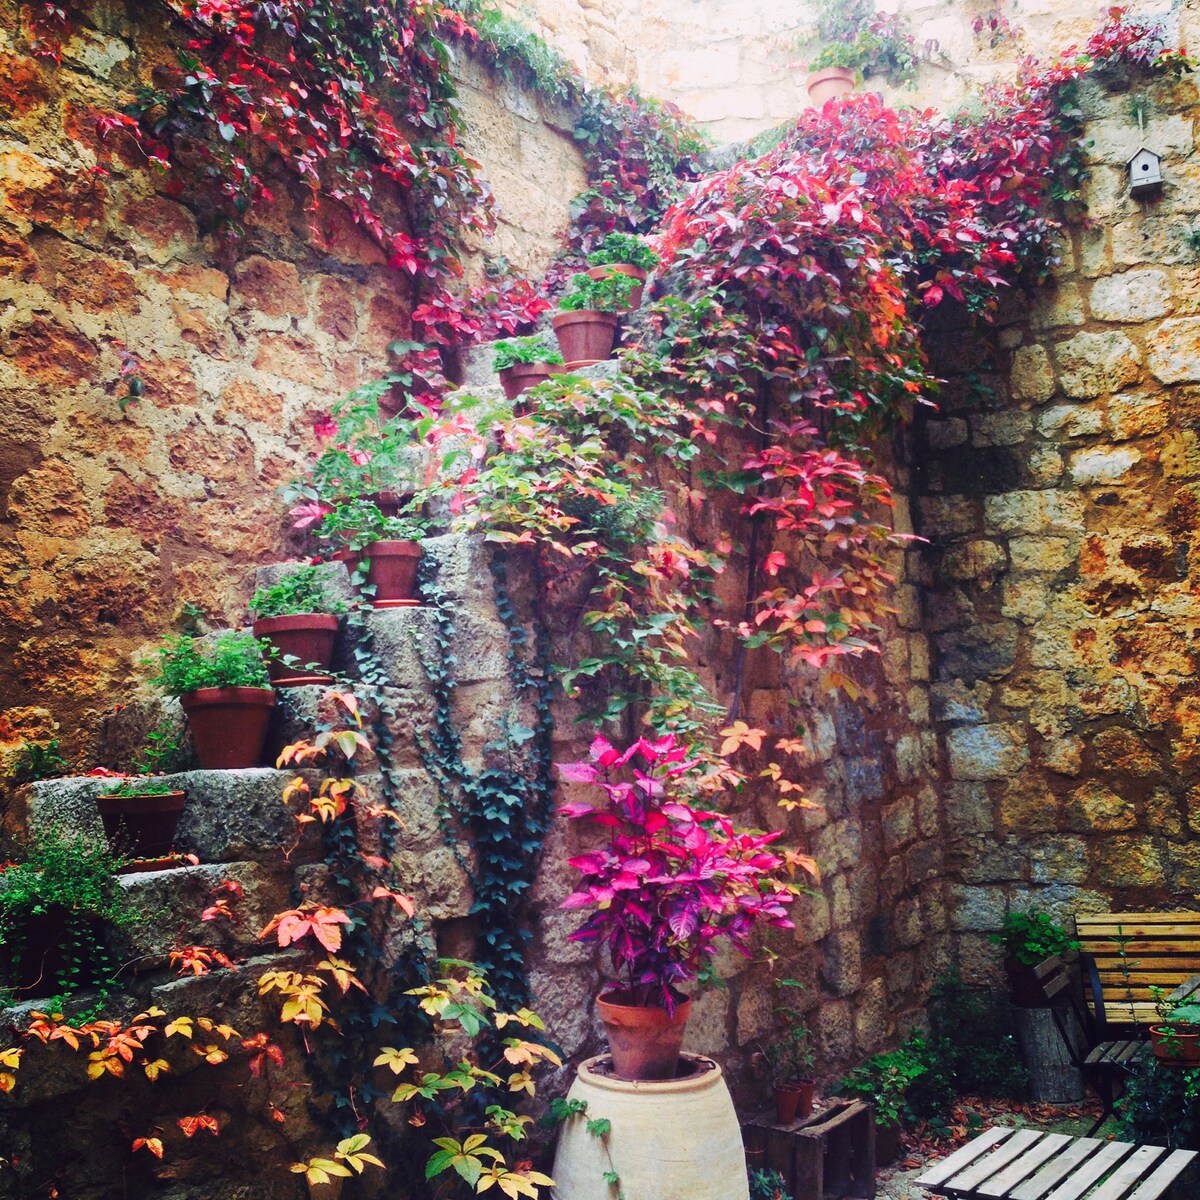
[[163, 800], [265, 697], [831, 73], [706, 1073], [537, 368], [617, 269], [295, 621], [390, 549], [584, 316]]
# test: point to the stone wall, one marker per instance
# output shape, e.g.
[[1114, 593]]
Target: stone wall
[[740, 68], [111, 521], [1059, 487]]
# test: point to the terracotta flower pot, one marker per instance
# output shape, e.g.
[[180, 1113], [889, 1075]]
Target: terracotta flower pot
[[44, 947], [141, 826], [794, 1101], [1176, 1045], [585, 337], [826, 84], [635, 297], [229, 725], [520, 377], [392, 571], [645, 1042], [308, 637], [887, 1143]]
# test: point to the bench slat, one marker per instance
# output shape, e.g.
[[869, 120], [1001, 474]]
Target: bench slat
[[1024, 1166], [975, 1174], [1091, 1169], [1153, 1187], [1129, 1172], [1052, 1173], [963, 1156]]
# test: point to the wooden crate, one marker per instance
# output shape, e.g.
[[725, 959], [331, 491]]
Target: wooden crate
[[828, 1156]]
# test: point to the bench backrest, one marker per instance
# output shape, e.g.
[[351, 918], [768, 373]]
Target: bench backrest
[[1135, 951]]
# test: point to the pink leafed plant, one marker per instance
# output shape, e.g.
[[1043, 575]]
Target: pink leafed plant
[[673, 880]]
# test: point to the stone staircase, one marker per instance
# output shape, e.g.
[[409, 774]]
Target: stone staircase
[[238, 827]]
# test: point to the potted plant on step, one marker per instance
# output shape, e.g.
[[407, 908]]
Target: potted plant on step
[[524, 362], [670, 884], [586, 323], [381, 553], [140, 816], [226, 693], [300, 622], [56, 908], [624, 254], [1029, 938]]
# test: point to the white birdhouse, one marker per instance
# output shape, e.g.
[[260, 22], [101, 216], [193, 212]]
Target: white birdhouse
[[1145, 174]]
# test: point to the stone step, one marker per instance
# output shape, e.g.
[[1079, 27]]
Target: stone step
[[230, 816], [169, 905]]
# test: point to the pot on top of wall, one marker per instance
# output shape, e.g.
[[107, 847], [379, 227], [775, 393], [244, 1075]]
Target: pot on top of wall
[[299, 620], [223, 686], [624, 254], [589, 312]]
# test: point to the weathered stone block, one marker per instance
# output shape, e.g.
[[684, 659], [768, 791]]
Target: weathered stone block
[[1058, 860], [1103, 465], [1049, 511], [1132, 415], [978, 909], [841, 970], [1173, 350], [1040, 554], [1063, 305], [982, 752], [1128, 862], [976, 560], [1092, 364], [1131, 296], [1032, 375], [1071, 420]]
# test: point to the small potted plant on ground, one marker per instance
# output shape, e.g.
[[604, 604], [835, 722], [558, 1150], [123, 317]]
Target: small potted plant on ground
[[381, 553], [524, 362], [790, 1060], [1175, 1040], [1029, 938], [670, 884], [884, 1080], [300, 621], [226, 693], [624, 254], [54, 910], [586, 323]]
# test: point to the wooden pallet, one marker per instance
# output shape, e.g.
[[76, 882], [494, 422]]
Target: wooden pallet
[[828, 1156], [1026, 1164]]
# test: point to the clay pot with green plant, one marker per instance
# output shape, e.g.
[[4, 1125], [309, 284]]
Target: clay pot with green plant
[[1175, 1039], [789, 1060], [524, 362], [57, 909], [225, 691], [140, 816], [381, 553], [1029, 938], [624, 254], [669, 885], [589, 312], [299, 620]]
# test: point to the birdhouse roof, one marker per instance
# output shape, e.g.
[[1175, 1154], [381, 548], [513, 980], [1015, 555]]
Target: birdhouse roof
[[1143, 150]]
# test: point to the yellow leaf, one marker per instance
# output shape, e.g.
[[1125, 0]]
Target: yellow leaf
[[156, 1068]]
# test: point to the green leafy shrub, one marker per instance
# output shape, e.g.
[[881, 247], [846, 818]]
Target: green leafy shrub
[[70, 884], [162, 753], [355, 524], [233, 659], [1161, 1105], [540, 348], [1031, 937], [624, 248], [610, 294], [885, 1080], [971, 1049], [299, 592], [768, 1185], [39, 760]]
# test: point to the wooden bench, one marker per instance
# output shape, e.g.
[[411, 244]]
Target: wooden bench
[[1025, 1164], [1125, 954]]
